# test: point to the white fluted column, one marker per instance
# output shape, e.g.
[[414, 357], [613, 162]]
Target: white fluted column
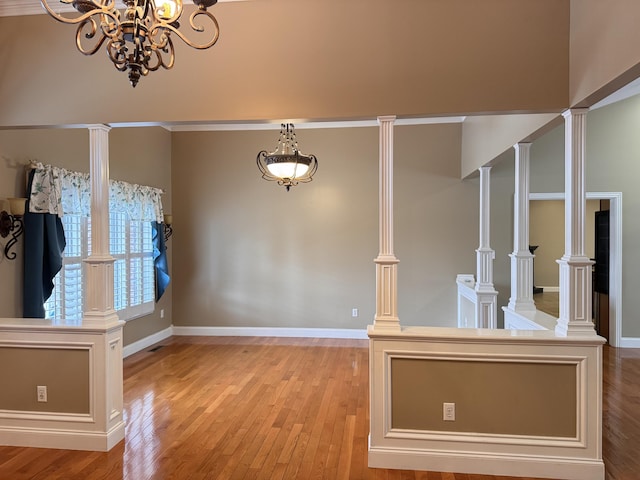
[[99, 285], [386, 262], [521, 299], [486, 294], [575, 266], [106, 365]]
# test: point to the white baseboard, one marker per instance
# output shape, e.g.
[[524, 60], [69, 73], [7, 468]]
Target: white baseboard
[[550, 289], [487, 464], [146, 342], [272, 332], [630, 342], [62, 439]]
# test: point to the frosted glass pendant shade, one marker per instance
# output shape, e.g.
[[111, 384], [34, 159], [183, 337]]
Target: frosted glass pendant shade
[[287, 169], [287, 165]]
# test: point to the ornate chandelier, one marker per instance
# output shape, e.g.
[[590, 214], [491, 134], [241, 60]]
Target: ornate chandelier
[[138, 39], [287, 165]]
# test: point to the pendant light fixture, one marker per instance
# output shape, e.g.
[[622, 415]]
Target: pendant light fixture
[[287, 165], [138, 37]]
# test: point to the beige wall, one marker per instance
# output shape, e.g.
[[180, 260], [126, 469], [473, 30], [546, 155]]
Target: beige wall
[[247, 253], [602, 60], [63, 147], [490, 397], [613, 149], [65, 373], [502, 188], [356, 59], [603, 56], [137, 155], [481, 69], [485, 137], [546, 229]]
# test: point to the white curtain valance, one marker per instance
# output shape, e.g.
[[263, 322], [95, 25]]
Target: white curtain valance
[[58, 191]]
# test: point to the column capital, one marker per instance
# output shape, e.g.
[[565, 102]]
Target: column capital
[[98, 126], [386, 119], [575, 111]]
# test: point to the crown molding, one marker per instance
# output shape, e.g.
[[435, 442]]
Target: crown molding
[[300, 124], [258, 125]]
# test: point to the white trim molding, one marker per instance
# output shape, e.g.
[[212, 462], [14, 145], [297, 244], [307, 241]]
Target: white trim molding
[[146, 342], [575, 454], [61, 438], [271, 332], [555, 289], [490, 464], [630, 342], [99, 429]]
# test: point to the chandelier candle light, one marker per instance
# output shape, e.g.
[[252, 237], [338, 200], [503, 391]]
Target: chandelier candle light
[[138, 39], [287, 165]]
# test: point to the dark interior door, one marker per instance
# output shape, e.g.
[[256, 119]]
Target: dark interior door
[[601, 274], [601, 267]]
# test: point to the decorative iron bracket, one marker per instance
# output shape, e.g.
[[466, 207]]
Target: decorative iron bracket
[[10, 224]]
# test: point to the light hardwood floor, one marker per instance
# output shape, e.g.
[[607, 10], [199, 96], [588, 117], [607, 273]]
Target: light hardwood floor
[[548, 302], [265, 408]]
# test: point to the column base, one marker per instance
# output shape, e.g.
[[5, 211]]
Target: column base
[[522, 282], [525, 306], [575, 297], [486, 307], [102, 318], [386, 323], [386, 316], [565, 329]]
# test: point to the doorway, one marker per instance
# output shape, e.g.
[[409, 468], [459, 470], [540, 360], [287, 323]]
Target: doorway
[[613, 307], [601, 269]]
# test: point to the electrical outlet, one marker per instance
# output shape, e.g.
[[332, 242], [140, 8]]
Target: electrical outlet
[[354, 312], [449, 412], [42, 393]]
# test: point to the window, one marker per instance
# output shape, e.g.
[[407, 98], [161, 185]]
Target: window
[[66, 300], [132, 208], [133, 283], [133, 273]]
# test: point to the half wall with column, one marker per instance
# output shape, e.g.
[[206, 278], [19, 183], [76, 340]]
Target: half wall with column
[[440, 397]]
